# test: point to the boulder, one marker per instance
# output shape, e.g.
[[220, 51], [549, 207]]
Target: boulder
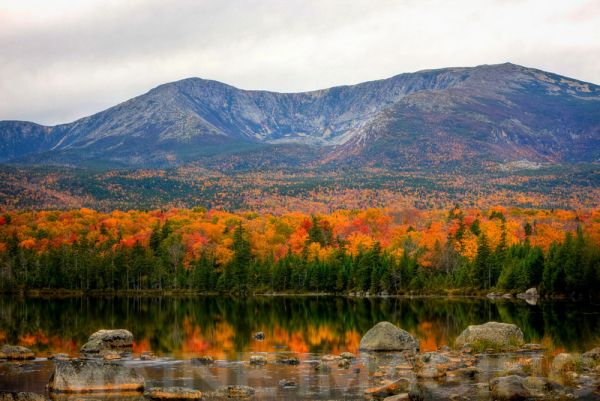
[[235, 392], [173, 393], [15, 352], [592, 357], [508, 388], [385, 336], [494, 335], [18, 396], [108, 340], [90, 375]]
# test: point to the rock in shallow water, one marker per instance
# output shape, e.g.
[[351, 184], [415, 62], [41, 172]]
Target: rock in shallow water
[[15, 352], [18, 396], [76, 376], [498, 336], [239, 392], [509, 388], [385, 336], [173, 393], [118, 340]]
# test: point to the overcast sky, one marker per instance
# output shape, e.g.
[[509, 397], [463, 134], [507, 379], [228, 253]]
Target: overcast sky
[[61, 60]]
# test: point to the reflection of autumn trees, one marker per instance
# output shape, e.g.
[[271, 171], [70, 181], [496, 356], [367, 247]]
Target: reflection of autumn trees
[[223, 327]]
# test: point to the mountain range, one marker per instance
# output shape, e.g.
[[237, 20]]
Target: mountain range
[[491, 113]]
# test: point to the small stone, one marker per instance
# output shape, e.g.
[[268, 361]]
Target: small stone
[[258, 360], [59, 357], [15, 352], [284, 383], [172, 393], [347, 355], [292, 360], [203, 360], [235, 391], [147, 356], [470, 372], [388, 389], [259, 336], [344, 364], [330, 358]]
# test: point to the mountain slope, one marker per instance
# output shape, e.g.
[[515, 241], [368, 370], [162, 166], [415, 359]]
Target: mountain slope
[[487, 113]]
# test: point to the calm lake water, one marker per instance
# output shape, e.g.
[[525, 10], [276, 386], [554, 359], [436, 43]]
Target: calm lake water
[[178, 329]]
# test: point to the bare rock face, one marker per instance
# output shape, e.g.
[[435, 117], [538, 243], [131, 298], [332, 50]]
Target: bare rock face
[[15, 352], [119, 340], [498, 336], [508, 388], [172, 393], [385, 336], [75, 376]]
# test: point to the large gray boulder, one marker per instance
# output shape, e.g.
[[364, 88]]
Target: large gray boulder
[[385, 336], [118, 340], [508, 388], [90, 375], [498, 336]]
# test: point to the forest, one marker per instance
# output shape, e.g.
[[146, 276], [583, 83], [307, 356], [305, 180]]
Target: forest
[[363, 252]]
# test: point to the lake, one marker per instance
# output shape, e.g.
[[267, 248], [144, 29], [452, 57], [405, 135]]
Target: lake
[[179, 328]]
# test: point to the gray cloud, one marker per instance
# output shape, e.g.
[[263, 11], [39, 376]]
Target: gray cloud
[[64, 59]]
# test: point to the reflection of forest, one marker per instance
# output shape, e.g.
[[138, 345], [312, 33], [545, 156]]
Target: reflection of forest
[[223, 326]]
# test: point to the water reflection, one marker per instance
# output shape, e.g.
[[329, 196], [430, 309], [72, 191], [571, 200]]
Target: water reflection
[[223, 327]]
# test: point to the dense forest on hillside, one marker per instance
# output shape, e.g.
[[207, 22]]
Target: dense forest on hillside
[[375, 251]]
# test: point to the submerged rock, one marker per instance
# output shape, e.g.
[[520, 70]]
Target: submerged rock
[[89, 375], [385, 336], [508, 388], [20, 396], [118, 340], [389, 389], [172, 393], [494, 335], [235, 391], [15, 352]]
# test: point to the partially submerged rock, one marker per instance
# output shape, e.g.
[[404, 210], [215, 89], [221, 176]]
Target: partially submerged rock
[[385, 336], [59, 357], [258, 360], [118, 340], [491, 335], [508, 388], [147, 356], [87, 375], [259, 336], [15, 352], [432, 365], [288, 360], [389, 389], [238, 392], [203, 360], [21, 396], [347, 355], [173, 393]]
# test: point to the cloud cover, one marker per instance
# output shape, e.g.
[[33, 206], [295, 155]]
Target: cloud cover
[[65, 59]]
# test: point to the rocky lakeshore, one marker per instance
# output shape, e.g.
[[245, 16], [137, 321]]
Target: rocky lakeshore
[[488, 362]]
